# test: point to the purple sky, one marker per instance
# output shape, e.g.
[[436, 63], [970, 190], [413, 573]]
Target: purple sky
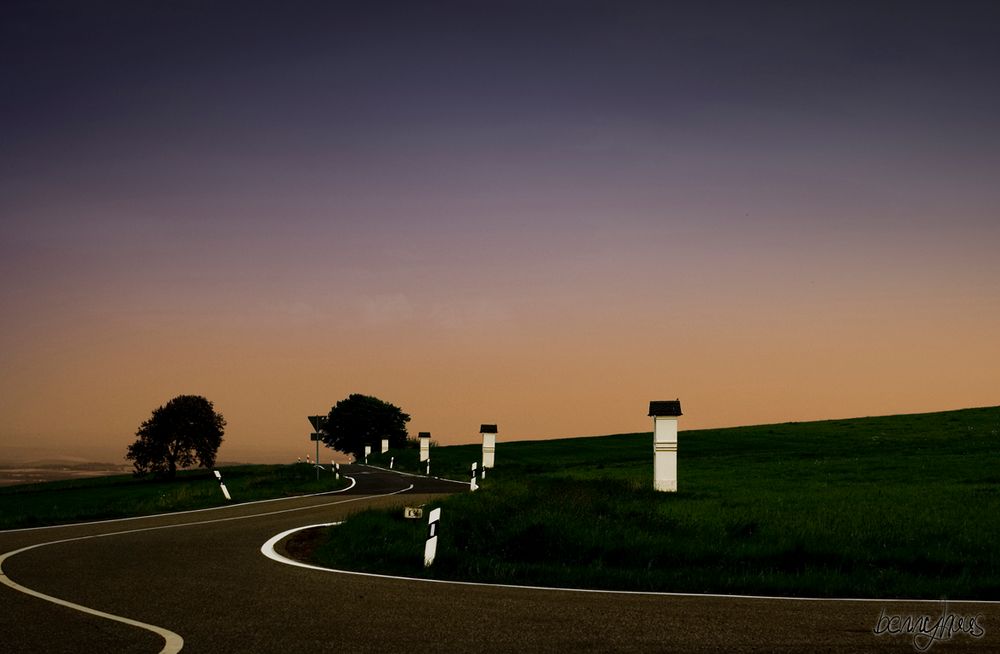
[[541, 214]]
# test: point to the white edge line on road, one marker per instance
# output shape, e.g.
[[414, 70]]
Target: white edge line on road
[[159, 515], [267, 549], [410, 474], [174, 642]]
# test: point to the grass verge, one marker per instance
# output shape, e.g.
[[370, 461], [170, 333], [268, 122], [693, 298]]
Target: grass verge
[[122, 496], [899, 506]]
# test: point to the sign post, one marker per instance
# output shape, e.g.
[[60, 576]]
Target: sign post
[[317, 423]]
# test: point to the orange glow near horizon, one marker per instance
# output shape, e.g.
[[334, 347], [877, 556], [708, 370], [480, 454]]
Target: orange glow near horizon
[[577, 356]]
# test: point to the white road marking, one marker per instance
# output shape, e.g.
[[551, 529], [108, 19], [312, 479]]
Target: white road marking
[[410, 474], [174, 642], [159, 515], [268, 550]]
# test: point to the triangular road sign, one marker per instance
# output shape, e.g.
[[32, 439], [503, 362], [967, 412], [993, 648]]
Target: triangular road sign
[[317, 422]]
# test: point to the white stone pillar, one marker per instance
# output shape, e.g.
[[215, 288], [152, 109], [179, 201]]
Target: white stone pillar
[[425, 445], [665, 414], [489, 433], [385, 445]]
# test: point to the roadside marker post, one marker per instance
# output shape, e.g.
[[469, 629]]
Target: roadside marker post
[[222, 485], [665, 414], [392, 460], [336, 469], [430, 547], [489, 433], [368, 451], [428, 467], [472, 482]]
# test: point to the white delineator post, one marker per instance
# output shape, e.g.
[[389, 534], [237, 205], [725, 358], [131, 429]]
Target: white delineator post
[[425, 445], [368, 450], [385, 445], [431, 546], [392, 460], [336, 469], [665, 414], [489, 433], [225, 491], [472, 482]]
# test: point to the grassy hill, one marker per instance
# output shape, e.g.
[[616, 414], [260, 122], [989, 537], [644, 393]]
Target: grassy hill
[[899, 506]]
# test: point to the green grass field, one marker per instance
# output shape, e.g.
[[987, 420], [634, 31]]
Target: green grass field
[[120, 496], [900, 506]]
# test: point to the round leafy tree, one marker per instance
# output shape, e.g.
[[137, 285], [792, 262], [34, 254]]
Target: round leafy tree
[[363, 420], [184, 430]]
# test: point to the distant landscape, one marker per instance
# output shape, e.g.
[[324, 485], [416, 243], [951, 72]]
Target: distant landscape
[[32, 472]]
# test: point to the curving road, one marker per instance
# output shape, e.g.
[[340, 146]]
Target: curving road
[[201, 578]]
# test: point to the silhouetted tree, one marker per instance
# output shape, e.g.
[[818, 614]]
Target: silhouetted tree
[[184, 430], [363, 420]]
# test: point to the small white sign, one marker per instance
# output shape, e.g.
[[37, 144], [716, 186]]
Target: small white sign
[[413, 512]]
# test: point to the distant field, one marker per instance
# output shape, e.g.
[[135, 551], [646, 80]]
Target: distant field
[[119, 496], [900, 506], [11, 475]]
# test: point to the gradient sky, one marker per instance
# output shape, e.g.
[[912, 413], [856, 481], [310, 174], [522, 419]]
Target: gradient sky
[[540, 214]]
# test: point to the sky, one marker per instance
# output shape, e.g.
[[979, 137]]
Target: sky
[[540, 214]]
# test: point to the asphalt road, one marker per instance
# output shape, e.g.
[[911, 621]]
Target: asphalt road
[[202, 576]]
